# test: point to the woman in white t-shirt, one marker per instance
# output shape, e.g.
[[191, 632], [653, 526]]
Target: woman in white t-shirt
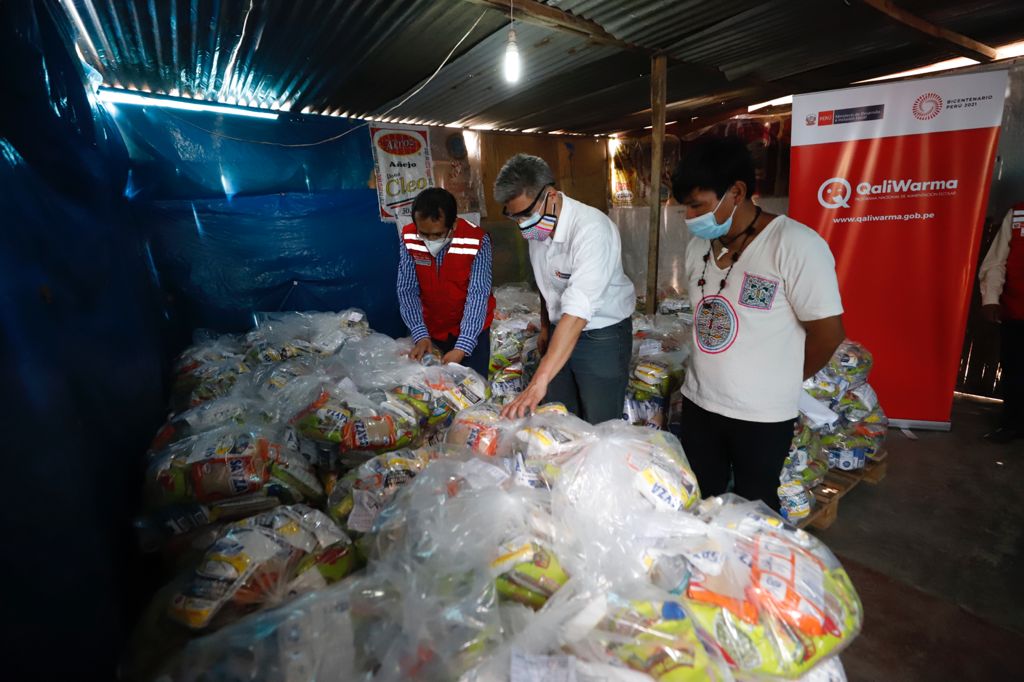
[[767, 315]]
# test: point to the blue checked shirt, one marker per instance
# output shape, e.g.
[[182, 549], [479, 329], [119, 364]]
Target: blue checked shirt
[[473, 315]]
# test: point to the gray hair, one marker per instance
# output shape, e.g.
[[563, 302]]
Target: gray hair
[[522, 174]]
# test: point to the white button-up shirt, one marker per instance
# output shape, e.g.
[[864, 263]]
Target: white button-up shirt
[[579, 270]]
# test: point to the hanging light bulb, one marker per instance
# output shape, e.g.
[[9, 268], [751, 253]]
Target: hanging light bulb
[[511, 51], [512, 58]]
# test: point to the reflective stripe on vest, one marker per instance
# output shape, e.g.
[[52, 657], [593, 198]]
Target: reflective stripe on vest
[[444, 289]]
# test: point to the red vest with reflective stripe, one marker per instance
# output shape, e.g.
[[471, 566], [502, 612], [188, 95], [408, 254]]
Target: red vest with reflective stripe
[[443, 291], [1013, 289]]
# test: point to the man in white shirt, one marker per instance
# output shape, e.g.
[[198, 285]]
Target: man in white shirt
[[767, 315], [587, 301], [1002, 303]]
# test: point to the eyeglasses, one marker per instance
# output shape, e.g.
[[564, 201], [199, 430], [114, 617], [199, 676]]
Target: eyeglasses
[[529, 210]]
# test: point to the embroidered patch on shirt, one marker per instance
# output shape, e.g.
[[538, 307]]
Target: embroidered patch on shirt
[[715, 324], [757, 292]]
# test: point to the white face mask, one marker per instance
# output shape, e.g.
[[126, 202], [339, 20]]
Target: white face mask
[[434, 246]]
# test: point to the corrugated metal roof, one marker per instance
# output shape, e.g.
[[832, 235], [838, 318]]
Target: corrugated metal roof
[[361, 57], [474, 83]]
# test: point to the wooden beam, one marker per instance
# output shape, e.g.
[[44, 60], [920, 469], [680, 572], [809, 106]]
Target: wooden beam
[[961, 44], [659, 79], [533, 12]]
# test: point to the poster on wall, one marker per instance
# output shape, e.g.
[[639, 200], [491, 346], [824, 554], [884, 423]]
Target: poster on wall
[[896, 178], [403, 168]]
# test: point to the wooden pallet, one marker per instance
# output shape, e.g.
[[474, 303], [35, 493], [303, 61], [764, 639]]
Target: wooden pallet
[[836, 485]]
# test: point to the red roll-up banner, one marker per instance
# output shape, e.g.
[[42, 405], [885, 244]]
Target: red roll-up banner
[[895, 177]]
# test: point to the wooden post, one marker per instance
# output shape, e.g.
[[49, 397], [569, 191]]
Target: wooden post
[[658, 79]]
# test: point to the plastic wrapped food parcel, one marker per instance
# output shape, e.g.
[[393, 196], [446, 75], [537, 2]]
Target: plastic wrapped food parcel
[[494, 549]]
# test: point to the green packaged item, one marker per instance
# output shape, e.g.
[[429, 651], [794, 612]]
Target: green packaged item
[[528, 572]]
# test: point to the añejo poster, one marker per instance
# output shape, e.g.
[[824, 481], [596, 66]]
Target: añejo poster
[[403, 168], [896, 177]]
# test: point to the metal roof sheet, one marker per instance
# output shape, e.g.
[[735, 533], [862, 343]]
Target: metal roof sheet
[[362, 57]]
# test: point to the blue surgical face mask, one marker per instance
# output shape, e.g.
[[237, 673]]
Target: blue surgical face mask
[[705, 226]]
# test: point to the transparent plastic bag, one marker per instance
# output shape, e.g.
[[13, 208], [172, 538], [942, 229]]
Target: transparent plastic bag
[[224, 474], [515, 299], [825, 386], [358, 497], [311, 638], [481, 429], [326, 332], [377, 362], [541, 444], [284, 335], [206, 381], [806, 462], [208, 350], [610, 494], [260, 561], [650, 635], [851, 362], [857, 404], [514, 355], [773, 600], [230, 409], [847, 450]]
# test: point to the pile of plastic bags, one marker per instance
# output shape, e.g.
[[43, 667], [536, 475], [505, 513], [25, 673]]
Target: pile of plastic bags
[[514, 352], [661, 347], [281, 446], [549, 549], [841, 426]]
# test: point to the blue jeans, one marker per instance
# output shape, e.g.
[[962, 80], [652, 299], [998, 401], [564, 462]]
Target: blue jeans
[[592, 384], [481, 356]]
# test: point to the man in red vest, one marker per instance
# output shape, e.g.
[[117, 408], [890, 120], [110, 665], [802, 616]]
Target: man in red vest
[[444, 282], [1002, 303]]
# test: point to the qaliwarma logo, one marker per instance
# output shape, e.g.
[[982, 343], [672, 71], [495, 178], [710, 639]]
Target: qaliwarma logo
[[927, 106], [835, 193]]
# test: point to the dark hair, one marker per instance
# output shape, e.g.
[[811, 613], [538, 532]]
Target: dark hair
[[714, 163], [434, 202]]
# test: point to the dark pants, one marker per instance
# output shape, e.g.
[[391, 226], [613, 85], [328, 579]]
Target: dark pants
[[1011, 333], [753, 452], [481, 356], [592, 384]]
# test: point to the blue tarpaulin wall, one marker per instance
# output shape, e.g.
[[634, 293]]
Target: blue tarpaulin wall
[[237, 221], [81, 325], [122, 230]]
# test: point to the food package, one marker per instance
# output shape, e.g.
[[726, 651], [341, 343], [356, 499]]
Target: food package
[[772, 600], [390, 429], [528, 572], [857, 404], [825, 386], [206, 381], [653, 636], [253, 562], [542, 443], [514, 355], [515, 299], [851, 362], [224, 474], [806, 463], [230, 409], [480, 429], [796, 502], [320, 409], [284, 335], [610, 493], [358, 498]]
